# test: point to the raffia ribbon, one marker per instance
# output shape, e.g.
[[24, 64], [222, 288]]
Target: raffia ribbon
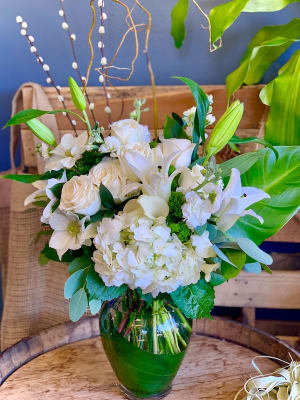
[[282, 384]]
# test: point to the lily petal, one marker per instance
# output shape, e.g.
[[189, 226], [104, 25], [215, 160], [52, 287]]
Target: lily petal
[[153, 206]]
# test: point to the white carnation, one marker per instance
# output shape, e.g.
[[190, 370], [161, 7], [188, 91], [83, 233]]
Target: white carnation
[[194, 211], [129, 131]]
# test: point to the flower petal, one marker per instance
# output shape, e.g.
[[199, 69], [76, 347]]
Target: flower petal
[[153, 206], [58, 222]]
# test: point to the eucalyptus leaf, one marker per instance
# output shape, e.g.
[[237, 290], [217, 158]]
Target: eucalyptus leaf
[[199, 230], [223, 256], [253, 268], [252, 250], [95, 306], [78, 264], [243, 162], [266, 46], [278, 179], [74, 283], [173, 129], [178, 17], [78, 305], [41, 131], [282, 126]]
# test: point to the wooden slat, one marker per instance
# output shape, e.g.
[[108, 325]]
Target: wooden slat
[[279, 290]]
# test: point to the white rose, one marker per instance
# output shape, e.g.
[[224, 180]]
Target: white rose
[[80, 196], [109, 173], [129, 131], [184, 148], [191, 178]]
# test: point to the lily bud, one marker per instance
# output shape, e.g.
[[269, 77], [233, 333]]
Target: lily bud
[[225, 128], [77, 95], [41, 131]]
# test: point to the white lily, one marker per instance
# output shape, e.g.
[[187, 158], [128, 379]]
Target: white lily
[[37, 195], [236, 200], [152, 207]]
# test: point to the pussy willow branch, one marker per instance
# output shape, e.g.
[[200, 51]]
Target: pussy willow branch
[[90, 44], [75, 55], [212, 48], [149, 65]]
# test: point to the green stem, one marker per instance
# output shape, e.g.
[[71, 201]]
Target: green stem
[[86, 119], [182, 318], [154, 325]]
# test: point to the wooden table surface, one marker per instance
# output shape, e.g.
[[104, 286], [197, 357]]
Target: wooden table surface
[[213, 369]]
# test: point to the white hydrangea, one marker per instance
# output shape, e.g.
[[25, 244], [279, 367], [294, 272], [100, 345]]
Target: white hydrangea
[[146, 255]]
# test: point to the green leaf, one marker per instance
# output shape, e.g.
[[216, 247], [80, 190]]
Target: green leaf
[[199, 230], [237, 140], [41, 131], [79, 263], [178, 16], [252, 250], [202, 104], [172, 129], [243, 162], [238, 258], [43, 260], [57, 189], [216, 279], [77, 94], [266, 46], [212, 230], [223, 16], [100, 215], [33, 178], [74, 283], [195, 300], [26, 115], [266, 269], [51, 254], [98, 290], [280, 179], [223, 256], [267, 6], [282, 126], [253, 268], [225, 128], [95, 306], [178, 119], [78, 305], [107, 199]]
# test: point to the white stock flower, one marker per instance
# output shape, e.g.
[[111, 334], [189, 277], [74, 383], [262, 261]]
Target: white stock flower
[[109, 172], [194, 210], [69, 232], [191, 178], [203, 245], [182, 147], [68, 151], [80, 196], [210, 119], [236, 199], [111, 145], [129, 131]]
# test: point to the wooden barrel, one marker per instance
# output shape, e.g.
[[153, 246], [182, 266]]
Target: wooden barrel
[[67, 362]]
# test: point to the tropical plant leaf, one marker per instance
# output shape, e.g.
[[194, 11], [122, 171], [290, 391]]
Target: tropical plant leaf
[[173, 129], [242, 162], [267, 6], [280, 179], [236, 257], [178, 16], [78, 305], [282, 126], [266, 46], [237, 140], [195, 300]]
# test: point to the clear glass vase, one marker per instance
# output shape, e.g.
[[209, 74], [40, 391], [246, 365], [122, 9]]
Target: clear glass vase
[[144, 344]]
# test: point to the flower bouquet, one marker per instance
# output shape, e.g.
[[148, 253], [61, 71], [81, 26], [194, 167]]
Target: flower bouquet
[[150, 225]]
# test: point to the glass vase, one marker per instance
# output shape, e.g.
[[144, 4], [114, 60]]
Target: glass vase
[[144, 344]]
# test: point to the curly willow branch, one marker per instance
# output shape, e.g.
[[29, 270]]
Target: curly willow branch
[[149, 65], [212, 47], [90, 45]]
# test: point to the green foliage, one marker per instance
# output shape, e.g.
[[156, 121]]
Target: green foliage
[[75, 282], [237, 140], [57, 189], [78, 305], [282, 127], [107, 199], [33, 178], [266, 5], [77, 94], [253, 268], [216, 279], [51, 254], [195, 300], [173, 129], [199, 230], [253, 251], [98, 290], [266, 46], [79, 263], [236, 257], [95, 306], [280, 179], [243, 162], [88, 160], [224, 129], [41, 131], [100, 215], [178, 16], [176, 201], [181, 230]]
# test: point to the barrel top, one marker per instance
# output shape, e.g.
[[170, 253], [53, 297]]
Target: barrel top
[[68, 362]]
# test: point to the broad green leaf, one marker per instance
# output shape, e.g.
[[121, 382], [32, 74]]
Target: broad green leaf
[[95, 306], [106, 197], [253, 268], [280, 179], [282, 126], [202, 104], [195, 300], [267, 5], [98, 290], [266, 94], [223, 256], [77, 94], [178, 16], [242, 162], [100, 215], [223, 16], [216, 279], [74, 283], [172, 129], [266, 46], [252, 250], [225, 128], [237, 140], [238, 258], [41, 131], [33, 178], [79, 263], [78, 305], [57, 189]]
